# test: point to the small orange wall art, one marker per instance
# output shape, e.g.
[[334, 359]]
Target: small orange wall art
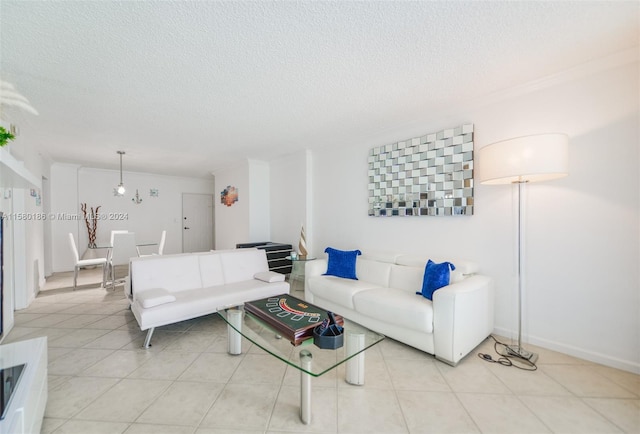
[[229, 195]]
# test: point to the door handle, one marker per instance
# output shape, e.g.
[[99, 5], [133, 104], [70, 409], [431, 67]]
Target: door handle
[[186, 227]]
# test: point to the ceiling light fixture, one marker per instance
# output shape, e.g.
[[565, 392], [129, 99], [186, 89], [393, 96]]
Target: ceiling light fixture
[[120, 189]]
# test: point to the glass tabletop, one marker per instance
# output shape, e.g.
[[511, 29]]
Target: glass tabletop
[[299, 259], [357, 339], [109, 246]]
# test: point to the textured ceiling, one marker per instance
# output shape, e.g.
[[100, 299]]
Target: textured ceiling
[[188, 87]]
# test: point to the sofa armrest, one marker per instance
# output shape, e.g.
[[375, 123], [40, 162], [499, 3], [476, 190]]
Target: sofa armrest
[[154, 297], [462, 317], [317, 267]]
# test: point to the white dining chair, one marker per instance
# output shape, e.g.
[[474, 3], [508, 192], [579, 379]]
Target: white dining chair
[[117, 231], [79, 263], [160, 251], [163, 238], [122, 250], [113, 232]]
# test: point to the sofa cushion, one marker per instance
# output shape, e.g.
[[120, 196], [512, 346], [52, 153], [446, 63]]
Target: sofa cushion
[[408, 279], [373, 271], [463, 268], [336, 289], [241, 264], [435, 277], [342, 263], [211, 269], [154, 297], [174, 272], [269, 276], [396, 307]]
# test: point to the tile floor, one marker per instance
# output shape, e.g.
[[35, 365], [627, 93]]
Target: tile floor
[[102, 381]]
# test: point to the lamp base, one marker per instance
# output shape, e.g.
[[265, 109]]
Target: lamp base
[[515, 350]]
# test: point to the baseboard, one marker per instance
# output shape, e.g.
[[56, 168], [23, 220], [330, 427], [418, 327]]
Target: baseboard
[[603, 359]]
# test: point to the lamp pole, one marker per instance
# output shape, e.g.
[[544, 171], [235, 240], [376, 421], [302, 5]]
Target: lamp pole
[[517, 350]]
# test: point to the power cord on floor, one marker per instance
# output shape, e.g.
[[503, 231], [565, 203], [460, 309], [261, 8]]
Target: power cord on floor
[[507, 358]]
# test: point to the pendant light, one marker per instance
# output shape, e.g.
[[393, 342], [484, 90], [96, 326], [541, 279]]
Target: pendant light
[[120, 189]]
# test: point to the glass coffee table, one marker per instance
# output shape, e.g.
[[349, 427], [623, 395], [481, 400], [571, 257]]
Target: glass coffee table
[[310, 360]]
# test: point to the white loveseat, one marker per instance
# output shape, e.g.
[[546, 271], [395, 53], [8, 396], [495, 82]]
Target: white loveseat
[[384, 299], [165, 289]]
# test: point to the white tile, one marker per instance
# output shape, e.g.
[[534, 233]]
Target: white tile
[[435, 412], [19, 333], [114, 339], [49, 332], [53, 353], [54, 381], [568, 415], [248, 406], [501, 414], [71, 396], [471, 377], [627, 380], [238, 430], [528, 382], [183, 403], [376, 374], [395, 350], [77, 338], [118, 364], [367, 410], [624, 413], [147, 428], [159, 341], [76, 361], [328, 379], [412, 374], [93, 427], [191, 341], [23, 318], [80, 321], [286, 414], [584, 381], [50, 308], [214, 367], [259, 368], [166, 365], [111, 322], [50, 424], [125, 401]]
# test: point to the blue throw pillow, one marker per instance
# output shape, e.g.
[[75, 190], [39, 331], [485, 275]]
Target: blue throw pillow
[[435, 277], [342, 263]]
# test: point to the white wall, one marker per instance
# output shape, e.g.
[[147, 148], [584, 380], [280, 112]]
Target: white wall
[[582, 239], [24, 237], [73, 185], [259, 201], [290, 198], [249, 219], [232, 222]]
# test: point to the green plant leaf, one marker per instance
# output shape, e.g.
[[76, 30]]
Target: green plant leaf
[[5, 136]]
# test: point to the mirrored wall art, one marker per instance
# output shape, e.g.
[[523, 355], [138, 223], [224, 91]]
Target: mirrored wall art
[[431, 175]]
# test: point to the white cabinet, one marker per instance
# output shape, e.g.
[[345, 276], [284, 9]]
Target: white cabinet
[[26, 408]]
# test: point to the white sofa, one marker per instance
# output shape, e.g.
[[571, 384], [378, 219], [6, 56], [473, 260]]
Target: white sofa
[[384, 299], [165, 289]]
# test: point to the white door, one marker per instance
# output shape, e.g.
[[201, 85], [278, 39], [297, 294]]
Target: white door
[[197, 222]]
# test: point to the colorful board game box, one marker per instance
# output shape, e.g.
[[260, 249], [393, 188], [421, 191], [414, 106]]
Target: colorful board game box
[[291, 317]]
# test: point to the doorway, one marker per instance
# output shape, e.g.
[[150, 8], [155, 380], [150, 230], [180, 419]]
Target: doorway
[[197, 223]]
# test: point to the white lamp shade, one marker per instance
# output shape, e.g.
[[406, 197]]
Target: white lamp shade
[[534, 158]]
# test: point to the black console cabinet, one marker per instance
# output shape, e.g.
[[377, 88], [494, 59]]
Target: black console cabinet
[[276, 255]]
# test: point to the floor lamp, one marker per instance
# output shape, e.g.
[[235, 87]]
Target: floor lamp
[[519, 161]]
